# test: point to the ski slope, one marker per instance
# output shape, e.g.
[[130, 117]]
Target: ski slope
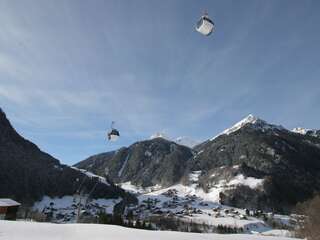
[[10, 230]]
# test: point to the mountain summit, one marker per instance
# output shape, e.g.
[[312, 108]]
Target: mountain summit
[[146, 163], [183, 140], [252, 121]]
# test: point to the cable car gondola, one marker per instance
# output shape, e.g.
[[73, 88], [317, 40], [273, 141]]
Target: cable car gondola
[[114, 134], [205, 25]]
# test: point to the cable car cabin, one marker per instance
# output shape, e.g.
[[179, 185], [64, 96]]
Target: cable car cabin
[[205, 25], [8, 209], [113, 135]]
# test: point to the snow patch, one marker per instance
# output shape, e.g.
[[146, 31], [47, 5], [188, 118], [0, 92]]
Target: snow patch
[[247, 181], [128, 186], [183, 140], [300, 130], [123, 165], [92, 175], [194, 176], [160, 135], [304, 131], [186, 141]]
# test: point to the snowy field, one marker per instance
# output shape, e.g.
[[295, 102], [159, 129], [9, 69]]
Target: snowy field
[[10, 230], [64, 209]]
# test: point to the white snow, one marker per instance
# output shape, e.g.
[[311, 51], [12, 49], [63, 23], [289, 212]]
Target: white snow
[[304, 131], [204, 208], [250, 119], [128, 186], [277, 233], [63, 202], [300, 130], [67, 201], [131, 188], [186, 141], [11, 230], [247, 181], [160, 135], [193, 189], [123, 165], [194, 176], [67, 206], [183, 140], [191, 203], [92, 175], [7, 202]]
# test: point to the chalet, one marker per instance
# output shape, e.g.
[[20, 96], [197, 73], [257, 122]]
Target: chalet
[[8, 209]]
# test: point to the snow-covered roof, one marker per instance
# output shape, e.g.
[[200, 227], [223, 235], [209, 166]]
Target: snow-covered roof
[[7, 202]]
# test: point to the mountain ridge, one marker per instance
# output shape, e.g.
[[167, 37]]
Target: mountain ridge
[[287, 164], [27, 174]]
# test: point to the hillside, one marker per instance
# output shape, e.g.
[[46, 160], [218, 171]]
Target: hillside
[[252, 164], [27, 174], [287, 163], [147, 163]]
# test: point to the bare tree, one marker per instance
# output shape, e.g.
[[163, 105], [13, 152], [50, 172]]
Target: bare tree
[[309, 226]]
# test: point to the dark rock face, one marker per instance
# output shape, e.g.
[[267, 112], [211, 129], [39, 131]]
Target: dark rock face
[[313, 133], [145, 163], [27, 173], [96, 163]]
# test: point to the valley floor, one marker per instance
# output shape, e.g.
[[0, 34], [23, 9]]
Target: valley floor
[[10, 230]]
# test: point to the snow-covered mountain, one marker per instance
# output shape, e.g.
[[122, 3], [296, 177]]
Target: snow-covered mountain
[[253, 165], [254, 122], [160, 135], [144, 163], [186, 141], [183, 140], [287, 162], [28, 174], [305, 131], [229, 166]]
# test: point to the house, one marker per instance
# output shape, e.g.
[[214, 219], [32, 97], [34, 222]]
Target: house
[[8, 209]]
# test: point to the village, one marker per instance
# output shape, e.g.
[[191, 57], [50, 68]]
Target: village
[[193, 209]]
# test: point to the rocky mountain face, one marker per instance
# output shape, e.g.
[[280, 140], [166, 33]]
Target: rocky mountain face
[[183, 140], [27, 174], [147, 163], [287, 163], [253, 165]]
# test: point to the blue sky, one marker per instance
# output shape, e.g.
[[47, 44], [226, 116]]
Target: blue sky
[[68, 68]]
